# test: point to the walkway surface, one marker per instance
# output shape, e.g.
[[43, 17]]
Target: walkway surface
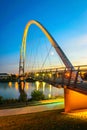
[[32, 109]]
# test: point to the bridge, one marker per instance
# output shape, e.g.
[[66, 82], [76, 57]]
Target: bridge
[[68, 77]]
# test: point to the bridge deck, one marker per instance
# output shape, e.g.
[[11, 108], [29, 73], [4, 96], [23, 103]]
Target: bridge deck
[[69, 77]]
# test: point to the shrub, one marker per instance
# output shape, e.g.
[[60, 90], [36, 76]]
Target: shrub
[[23, 97], [37, 95]]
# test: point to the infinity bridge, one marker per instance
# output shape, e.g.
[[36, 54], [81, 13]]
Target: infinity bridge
[[69, 77]]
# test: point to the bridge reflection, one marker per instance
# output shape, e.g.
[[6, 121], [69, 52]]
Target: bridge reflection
[[27, 87], [23, 95]]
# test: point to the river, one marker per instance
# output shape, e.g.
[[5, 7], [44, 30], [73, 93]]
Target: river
[[11, 90]]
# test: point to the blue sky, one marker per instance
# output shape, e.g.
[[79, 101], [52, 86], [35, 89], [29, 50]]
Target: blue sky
[[66, 20]]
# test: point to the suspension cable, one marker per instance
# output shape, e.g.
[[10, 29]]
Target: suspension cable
[[46, 58]]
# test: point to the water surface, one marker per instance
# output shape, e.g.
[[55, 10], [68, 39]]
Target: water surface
[[12, 90]]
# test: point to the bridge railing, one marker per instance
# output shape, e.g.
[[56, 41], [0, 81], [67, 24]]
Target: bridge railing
[[81, 67]]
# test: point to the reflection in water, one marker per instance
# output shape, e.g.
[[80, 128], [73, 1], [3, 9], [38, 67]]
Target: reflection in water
[[16, 85], [37, 85], [22, 85], [26, 86], [49, 95], [43, 85], [50, 90], [23, 95], [16, 90], [10, 84]]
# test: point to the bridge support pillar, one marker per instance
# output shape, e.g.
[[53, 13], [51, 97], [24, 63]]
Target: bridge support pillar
[[74, 100]]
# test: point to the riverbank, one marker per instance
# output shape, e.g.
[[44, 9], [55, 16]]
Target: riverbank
[[31, 103], [44, 106]]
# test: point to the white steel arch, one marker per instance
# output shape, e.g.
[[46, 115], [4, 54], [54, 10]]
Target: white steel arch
[[52, 41]]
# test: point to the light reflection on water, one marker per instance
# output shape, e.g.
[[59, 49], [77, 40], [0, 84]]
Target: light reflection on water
[[12, 90]]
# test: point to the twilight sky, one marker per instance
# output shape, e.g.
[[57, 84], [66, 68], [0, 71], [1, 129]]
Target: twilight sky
[[66, 20]]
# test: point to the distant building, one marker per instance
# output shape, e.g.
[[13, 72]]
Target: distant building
[[3, 75]]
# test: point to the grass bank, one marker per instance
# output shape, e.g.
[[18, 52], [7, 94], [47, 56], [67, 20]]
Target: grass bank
[[30, 103], [49, 120]]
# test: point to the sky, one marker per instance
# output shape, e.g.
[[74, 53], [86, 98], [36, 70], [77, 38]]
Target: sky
[[66, 20]]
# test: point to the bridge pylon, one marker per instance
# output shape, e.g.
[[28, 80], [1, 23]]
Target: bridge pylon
[[21, 66], [74, 100]]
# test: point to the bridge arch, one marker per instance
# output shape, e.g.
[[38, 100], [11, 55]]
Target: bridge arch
[[50, 38]]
